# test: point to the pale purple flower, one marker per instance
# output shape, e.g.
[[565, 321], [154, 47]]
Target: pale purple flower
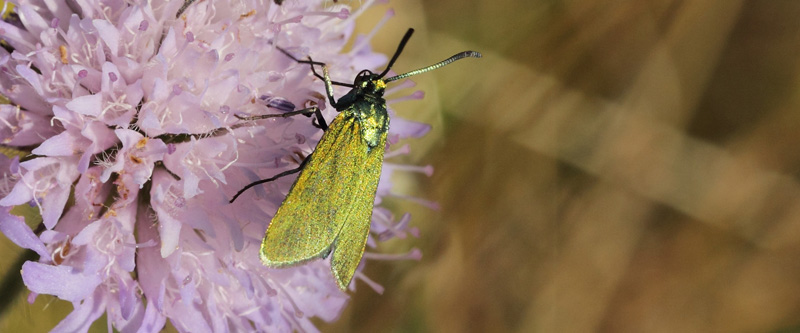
[[133, 112]]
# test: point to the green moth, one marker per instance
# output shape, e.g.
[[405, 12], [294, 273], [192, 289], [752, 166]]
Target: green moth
[[328, 209]]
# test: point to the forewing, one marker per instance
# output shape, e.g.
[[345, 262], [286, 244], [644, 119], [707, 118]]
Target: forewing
[[315, 209], [348, 248]]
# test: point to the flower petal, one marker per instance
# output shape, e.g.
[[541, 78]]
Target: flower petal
[[59, 145], [33, 22], [405, 128], [19, 195], [84, 314], [31, 76], [21, 40], [109, 33], [17, 231], [90, 105], [153, 320], [61, 281], [53, 205]]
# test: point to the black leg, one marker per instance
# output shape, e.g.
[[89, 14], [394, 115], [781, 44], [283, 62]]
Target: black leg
[[324, 77], [313, 70], [321, 123], [186, 4], [262, 181], [308, 111]]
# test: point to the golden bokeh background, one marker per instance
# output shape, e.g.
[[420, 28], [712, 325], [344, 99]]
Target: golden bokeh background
[[621, 166]]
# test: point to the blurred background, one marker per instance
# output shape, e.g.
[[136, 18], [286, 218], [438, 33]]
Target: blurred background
[[623, 166]]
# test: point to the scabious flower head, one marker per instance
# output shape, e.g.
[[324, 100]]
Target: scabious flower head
[[132, 112]]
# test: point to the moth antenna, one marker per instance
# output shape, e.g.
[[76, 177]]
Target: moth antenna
[[462, 55], [399, 50]]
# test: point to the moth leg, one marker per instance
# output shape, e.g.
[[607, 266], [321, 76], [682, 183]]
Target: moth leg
[[262, 181], [324, 77], [320, 121], [186, 4], [307, 111], [328, 85], [313, 70]]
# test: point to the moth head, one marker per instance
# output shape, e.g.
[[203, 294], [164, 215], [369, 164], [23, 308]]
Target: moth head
[[369, 83]]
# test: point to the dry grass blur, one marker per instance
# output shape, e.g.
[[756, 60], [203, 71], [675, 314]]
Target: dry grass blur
[[624, 166]]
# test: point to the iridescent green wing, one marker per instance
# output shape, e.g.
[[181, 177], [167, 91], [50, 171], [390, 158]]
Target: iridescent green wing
[[306, 224], [348, 248]]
